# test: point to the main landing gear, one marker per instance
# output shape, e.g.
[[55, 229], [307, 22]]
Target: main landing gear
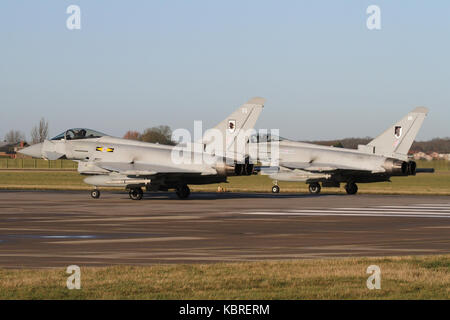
[[183, 191], [351, 188], [136, 193], [314, 188]]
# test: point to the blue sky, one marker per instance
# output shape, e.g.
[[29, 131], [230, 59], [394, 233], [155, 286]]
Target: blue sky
[[137, 64]]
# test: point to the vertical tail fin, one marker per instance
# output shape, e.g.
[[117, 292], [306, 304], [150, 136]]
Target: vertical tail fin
[[397, 140], [233, 131]]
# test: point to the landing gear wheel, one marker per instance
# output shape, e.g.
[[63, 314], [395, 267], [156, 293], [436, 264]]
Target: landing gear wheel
[[95, 194], [275, 189], [183, 192], [351, 188], [314, 188], [136, 194]]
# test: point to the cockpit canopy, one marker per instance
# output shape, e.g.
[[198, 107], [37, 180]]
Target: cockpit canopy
[[78, 133], [266, 137]]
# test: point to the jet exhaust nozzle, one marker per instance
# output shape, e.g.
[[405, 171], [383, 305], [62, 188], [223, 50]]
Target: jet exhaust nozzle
[[236, 169], [396, 167], [412, 167]]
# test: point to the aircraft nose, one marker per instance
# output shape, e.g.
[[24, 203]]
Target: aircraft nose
[[34, 151]]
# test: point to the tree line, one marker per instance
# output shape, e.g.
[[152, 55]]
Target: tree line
[[159, 134], [163, 135], [39, 133], [439, 145]]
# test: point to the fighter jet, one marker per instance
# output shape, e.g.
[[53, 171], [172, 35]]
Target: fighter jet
[[322, 166], [115, 162]]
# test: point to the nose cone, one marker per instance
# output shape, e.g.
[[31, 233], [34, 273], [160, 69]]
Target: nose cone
[[34, 151]]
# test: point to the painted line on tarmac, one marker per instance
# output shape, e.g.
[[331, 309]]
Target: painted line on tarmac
[[413, 209], [416, 207], [340, 213], [369, 211]]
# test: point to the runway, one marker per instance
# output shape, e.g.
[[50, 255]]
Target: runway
[[56, 229]]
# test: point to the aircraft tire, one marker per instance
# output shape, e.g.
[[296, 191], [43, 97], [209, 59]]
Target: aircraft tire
[[275, 189], [95, 194], [351, 188], [183, 192], [314, 188], [136, 194]]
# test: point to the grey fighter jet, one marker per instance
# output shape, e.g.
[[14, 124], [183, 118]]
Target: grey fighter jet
[[322, 166], [114, 162]]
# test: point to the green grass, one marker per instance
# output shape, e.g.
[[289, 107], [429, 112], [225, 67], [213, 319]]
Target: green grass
[[435, 164], [437, 183], [50, 179], [416, 277]]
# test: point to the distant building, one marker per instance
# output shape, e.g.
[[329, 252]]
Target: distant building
[[431, 156], [419, 156], [10, 150], [5, 150]]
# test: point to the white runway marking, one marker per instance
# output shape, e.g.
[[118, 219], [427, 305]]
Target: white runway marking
[[417, 207], [412, 211]]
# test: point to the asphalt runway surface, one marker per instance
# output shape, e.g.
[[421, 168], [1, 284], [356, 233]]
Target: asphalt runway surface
[[54, 229]]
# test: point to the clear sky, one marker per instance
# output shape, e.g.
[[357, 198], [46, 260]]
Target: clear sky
[[137, 64]]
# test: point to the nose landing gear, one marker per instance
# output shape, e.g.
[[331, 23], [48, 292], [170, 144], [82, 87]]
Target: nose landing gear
[[275, 189], [95, 194]]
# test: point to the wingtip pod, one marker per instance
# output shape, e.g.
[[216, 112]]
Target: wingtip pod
[[257, 100], [421, 110]]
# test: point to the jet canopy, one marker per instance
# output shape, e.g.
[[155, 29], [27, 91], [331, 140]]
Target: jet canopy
[[79, 133], [265, 137]]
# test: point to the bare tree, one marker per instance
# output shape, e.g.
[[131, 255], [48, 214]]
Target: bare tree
[[14, 137], [40, 132]]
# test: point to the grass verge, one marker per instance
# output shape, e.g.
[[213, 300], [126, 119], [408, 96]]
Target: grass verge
[[411, 277], [437, 183]]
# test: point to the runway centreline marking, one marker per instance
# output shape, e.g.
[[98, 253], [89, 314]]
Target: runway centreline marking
[[413, 211]]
